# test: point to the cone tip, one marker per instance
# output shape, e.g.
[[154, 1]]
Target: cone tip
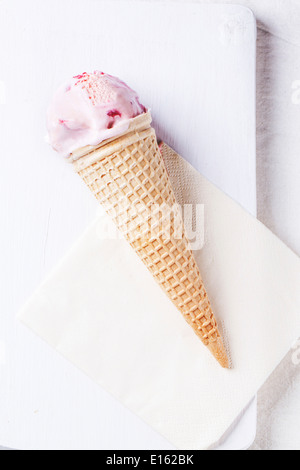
[[218, 351]]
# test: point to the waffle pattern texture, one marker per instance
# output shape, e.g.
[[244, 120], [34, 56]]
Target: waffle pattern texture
[[129, 178]]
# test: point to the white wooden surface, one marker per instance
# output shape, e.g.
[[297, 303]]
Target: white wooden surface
[[194, 66]]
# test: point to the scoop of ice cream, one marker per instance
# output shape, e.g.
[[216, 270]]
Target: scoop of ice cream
[[89, 109]]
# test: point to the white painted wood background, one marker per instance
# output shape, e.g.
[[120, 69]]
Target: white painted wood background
[[195, 67]]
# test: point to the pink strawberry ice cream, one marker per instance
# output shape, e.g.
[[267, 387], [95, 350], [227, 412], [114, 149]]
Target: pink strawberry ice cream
[[89, 109]]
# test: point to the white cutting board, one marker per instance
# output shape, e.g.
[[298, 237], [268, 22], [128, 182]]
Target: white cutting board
[[194, 66]]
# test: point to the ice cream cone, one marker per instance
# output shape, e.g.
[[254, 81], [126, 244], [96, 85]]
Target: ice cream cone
[[127, 175]]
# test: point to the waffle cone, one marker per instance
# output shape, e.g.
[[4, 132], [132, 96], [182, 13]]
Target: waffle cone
[[129, 178]]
